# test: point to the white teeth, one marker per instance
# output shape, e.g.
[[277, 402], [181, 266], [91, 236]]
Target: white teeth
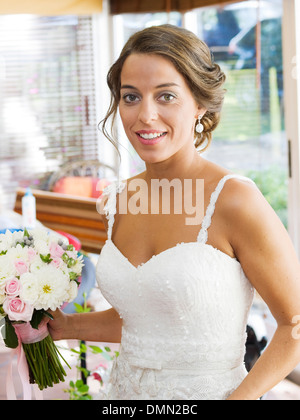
[[151, 136]]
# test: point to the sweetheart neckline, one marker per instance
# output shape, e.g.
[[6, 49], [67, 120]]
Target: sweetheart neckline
[[168, 250]]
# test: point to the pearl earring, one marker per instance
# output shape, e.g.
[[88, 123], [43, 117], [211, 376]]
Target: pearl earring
[[200, 126]]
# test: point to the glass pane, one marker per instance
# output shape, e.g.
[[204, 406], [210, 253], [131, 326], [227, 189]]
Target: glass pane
[[246, 40], [47, 98]]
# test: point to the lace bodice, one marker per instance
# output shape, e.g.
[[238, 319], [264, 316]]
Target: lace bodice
[[184, 316]]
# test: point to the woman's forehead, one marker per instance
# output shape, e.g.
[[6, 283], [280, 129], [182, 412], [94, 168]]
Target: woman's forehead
[[151, 69]]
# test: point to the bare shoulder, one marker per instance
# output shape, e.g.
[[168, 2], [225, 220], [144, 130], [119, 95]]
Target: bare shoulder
[[247, 213], [243, 201]]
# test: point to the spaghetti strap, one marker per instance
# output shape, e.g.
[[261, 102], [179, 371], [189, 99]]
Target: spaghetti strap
[[110, 207], [203, 235]]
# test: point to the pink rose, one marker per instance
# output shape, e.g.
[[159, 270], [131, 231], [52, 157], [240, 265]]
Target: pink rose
[[17, 310], [56, 262], [21, 267], [31, 254], [56, 250], [72, 254], [12, 287]]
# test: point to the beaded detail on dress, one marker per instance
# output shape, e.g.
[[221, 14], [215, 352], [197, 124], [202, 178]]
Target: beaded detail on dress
[[184, 316]]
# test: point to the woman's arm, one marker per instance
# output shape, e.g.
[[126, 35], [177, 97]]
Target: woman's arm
[[103, 326], [265, 251]]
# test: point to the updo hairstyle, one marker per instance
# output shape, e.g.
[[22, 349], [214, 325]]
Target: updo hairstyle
[[192, 59]]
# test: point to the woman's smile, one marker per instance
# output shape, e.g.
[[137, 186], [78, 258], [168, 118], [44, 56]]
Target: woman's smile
[[151, 137]]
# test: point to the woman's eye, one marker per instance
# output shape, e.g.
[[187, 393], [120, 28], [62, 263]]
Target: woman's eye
[[129, 99], [167, 97]]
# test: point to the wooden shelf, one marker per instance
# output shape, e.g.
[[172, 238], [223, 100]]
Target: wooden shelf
[[75, 215]]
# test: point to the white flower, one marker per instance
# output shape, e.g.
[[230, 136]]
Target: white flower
[[39, 235], [41, 247], [37, 264], [7, 267], [6, 240], [77, 267], [29, 288], [17, 236], [18, 252], [51, 288], [72, 291]]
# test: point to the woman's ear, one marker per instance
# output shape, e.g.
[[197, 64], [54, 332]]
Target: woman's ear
[[200, 111]]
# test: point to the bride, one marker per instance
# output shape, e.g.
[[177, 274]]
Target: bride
[[181, 292]]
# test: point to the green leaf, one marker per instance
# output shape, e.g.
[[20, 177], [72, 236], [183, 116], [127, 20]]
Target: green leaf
[[79, 309], [46, 258], [79, 383], [10, 339], [26, 233], [107, 349], [96, 349], [83, 347], [86, 372], [83, 389], [75, 351], [37, 319], [73, 276]]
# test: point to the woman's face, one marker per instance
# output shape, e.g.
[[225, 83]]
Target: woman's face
[[157, 108]]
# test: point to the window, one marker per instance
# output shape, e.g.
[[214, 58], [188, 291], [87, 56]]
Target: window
[[246, 40], [47, 97]]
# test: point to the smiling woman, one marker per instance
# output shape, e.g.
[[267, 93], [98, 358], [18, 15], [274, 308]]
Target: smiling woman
[[184, 52], [180, 286]]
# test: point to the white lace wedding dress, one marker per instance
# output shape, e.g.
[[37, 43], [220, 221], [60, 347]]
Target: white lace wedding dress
[[184, 317]]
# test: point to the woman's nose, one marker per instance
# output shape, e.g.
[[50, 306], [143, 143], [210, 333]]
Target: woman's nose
[[147, 112]]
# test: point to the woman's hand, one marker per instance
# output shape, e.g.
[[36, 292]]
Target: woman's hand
[[58, 327]]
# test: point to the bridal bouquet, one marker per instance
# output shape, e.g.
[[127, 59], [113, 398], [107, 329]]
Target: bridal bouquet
[[38, 272]]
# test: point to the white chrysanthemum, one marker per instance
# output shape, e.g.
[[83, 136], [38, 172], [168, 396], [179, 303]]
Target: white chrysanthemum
[[77, 267], [3, 246], [17, 236], [7, 267], [41, 247], [6, 240], [37, 264], [72, 291], [18, 252], [39, 235], [29, 288], [52, 288]]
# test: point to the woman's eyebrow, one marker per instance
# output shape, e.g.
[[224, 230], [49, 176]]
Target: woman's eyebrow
[[128, 87], [164, 85]]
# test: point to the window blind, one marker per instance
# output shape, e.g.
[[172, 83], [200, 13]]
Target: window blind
[[142, 6], [47, 97]]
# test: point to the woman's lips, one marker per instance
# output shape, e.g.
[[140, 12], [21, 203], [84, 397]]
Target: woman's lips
[[150, 137]]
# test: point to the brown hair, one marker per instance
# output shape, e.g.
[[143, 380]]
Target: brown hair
[[192, 59]]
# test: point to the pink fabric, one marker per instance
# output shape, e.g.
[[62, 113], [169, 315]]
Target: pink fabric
[[27, 335]]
